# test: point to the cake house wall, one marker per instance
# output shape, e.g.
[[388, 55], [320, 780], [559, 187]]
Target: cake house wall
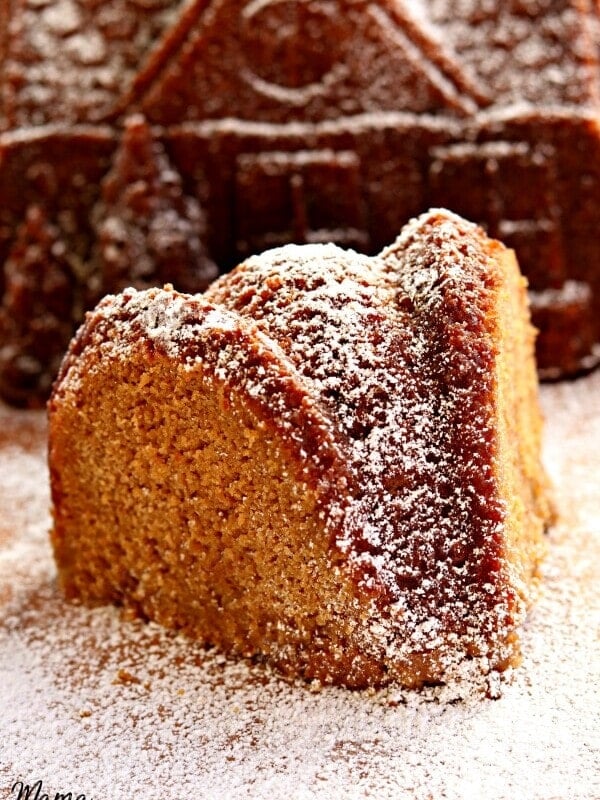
[[296, 121]]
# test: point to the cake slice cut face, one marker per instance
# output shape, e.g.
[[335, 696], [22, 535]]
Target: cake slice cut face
[[328, 461]]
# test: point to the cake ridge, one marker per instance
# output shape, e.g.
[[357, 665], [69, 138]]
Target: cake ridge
[[392, 409]]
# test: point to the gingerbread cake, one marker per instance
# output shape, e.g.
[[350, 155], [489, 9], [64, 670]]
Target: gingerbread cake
[[329, 461], [148, 140]]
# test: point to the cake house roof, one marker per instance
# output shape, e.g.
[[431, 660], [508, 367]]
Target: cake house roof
[[282, 60]]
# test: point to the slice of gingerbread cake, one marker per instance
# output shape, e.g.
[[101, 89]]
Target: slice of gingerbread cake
[[329, 461]]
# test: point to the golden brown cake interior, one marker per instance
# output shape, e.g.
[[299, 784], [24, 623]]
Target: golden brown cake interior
[[228, 543], [522, 482]]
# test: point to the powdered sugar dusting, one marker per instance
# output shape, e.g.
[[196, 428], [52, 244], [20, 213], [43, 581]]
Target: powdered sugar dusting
[[112, 708], [191, 331], [70, 59], [370, 339]]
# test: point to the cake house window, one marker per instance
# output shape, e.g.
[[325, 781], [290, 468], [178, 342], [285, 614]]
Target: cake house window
[[299, 197], [301, 55], [510, 188]]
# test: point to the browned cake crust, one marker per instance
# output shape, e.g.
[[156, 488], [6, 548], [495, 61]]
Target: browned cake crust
[[158, 138], [329, 461]]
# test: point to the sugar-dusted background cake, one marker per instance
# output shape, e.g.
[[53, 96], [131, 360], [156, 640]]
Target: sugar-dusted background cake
[[258, 123]]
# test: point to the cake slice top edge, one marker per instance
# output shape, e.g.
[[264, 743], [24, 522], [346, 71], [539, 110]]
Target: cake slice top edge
[[197, 336]]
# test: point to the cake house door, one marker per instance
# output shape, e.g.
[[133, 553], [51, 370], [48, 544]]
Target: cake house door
[[302, 196], [509, 188]]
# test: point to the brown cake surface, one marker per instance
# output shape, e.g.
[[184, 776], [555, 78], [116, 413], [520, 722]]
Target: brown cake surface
[[272, 122], [330, 461]]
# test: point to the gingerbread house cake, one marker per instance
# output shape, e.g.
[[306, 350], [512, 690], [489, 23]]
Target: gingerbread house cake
[[151, 140]]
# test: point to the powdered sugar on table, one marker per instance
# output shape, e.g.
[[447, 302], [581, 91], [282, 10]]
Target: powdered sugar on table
[[91, 703]]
